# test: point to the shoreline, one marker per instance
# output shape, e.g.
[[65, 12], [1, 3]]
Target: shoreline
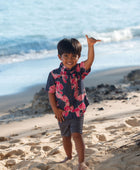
[[108, 76]]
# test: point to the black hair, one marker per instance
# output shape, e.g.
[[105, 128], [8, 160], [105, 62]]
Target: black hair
[[69, 46]]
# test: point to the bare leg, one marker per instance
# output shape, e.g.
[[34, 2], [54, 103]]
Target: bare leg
[[67, 146], [80, 147]]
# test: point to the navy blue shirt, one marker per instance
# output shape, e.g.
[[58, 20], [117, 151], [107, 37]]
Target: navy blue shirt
[[68, 87]]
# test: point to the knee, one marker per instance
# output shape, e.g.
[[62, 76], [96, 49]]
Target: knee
[[76, 136], [66, 138]]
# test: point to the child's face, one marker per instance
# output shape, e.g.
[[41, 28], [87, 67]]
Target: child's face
[[69, 60]]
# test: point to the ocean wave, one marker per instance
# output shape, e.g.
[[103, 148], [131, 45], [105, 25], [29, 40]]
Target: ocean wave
[[119, 35], [16, 46], [32, 55], [38, 46], [115, 35]]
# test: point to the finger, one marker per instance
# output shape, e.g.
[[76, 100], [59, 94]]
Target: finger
[[62, 118], [98, 40], [86, 36]]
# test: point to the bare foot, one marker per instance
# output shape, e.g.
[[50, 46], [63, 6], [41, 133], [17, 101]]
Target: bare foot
[[83, 166]]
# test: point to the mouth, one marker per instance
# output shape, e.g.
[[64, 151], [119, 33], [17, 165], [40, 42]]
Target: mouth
[[69, 63]]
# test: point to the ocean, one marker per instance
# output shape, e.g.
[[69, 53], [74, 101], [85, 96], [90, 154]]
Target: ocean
[[30, 31]]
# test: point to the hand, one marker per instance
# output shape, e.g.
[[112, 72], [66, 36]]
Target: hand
[[59, 115], [91, 41]]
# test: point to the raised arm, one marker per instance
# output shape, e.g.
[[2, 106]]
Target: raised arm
[[91, 41]]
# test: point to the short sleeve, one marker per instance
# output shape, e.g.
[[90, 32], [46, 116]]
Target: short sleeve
[[83, 71], [50, 86]]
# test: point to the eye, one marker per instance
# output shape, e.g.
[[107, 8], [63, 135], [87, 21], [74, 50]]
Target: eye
[[65, 55], [74, 56]]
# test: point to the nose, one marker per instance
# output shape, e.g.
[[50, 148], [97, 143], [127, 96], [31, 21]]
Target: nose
[[70, 57]]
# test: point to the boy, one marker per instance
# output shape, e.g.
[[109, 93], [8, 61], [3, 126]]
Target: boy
[[67, 94]]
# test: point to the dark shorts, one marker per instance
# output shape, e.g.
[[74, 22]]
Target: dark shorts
[[69, 126]]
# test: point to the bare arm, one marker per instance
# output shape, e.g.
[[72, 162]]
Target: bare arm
[[56, 110], [91, 42]]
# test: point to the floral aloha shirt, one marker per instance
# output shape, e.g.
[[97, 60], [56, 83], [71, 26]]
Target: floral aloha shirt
[[67, 84]]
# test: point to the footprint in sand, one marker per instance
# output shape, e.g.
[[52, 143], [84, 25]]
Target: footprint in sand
[[35, 149], [116, 127], [15, 141], [33, 143], [3, 139], [10, 163], [88, 127], [54, 152], [4, 147], [133, 122], [101, 137], [47, 148], [18, 152]]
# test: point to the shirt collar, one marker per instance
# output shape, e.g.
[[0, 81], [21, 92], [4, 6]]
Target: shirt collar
[[65, 70]]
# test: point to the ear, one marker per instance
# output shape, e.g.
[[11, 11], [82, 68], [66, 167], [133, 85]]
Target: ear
[[59, 56]]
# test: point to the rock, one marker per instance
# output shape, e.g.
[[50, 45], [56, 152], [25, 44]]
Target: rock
[[101, 108], [105, 92], [40, 103], [134, 79], [133, 75]]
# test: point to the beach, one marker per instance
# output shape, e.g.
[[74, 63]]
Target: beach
[[111, 129]]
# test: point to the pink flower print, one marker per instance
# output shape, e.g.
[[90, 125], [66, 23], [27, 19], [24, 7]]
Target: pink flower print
[[65, 113], [82, 106], [59, 86], [82, 65], [66, 100], [74, 83], [79, 97], [67, 108], [77, 111], [65, 77], [73, 75], [55, 75], [52, 89], [78, 68]]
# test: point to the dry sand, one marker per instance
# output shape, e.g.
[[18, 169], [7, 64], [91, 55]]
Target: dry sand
[[111, 135]]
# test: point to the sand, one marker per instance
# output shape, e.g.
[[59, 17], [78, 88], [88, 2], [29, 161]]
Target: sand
[[111, 133]]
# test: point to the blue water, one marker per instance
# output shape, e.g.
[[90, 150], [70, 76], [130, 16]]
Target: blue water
[[30, 30]]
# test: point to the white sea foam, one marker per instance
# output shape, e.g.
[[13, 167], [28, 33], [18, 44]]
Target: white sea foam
[[26, 56], [115, 35]]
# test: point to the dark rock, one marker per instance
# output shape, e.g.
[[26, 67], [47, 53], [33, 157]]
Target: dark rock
[[112, 87], [101, 108], [105, 92], [40, 103], [133, 75]]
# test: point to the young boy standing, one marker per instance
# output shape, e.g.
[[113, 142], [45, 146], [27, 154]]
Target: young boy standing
[[67, 94]]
